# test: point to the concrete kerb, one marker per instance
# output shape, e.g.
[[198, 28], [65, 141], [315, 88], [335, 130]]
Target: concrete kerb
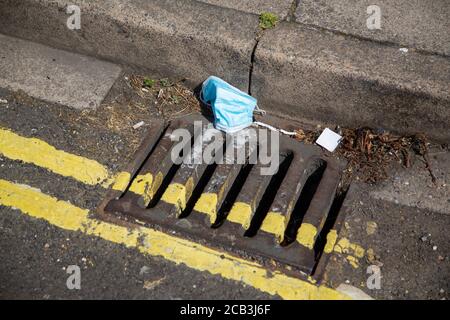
[[180, 39], [279, 7], [295, 70], [303, 72], [416, 24]]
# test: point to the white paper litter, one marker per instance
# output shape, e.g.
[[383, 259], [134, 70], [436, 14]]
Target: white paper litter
[[404, 50], [329, 140], [138, 125]]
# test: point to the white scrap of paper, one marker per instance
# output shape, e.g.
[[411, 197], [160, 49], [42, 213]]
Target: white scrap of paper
[[138, 125], [329, 140]]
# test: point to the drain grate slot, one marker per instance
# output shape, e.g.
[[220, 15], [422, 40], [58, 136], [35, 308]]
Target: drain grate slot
[[269, 195], [198, 191], [122, 184], [233, 193], [163, 187], [333, 221], [283, 217], [314, 176]]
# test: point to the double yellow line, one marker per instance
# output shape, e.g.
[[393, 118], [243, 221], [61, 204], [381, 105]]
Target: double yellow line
[[148, 241], [40, 153]]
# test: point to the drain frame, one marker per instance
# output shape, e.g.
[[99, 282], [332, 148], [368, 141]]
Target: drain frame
[[120, 204]]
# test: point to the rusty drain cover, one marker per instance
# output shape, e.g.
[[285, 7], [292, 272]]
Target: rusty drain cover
[[280, 217]]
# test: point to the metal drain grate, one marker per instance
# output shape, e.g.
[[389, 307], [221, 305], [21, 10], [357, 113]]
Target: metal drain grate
[[278, 217]]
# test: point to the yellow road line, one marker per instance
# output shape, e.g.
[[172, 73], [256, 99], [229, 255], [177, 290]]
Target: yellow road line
[[40, 153], [155, 243]]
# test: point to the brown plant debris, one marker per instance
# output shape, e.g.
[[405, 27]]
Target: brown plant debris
[[370, 153], [173, 99]]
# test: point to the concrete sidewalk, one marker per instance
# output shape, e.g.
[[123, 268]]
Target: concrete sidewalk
[[55, 75], [319, 63]]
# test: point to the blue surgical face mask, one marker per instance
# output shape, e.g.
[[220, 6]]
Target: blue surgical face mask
[[232, 108]]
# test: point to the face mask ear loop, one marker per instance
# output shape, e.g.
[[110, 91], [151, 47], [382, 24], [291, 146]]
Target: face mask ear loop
[[268, 126], [260, 111]]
